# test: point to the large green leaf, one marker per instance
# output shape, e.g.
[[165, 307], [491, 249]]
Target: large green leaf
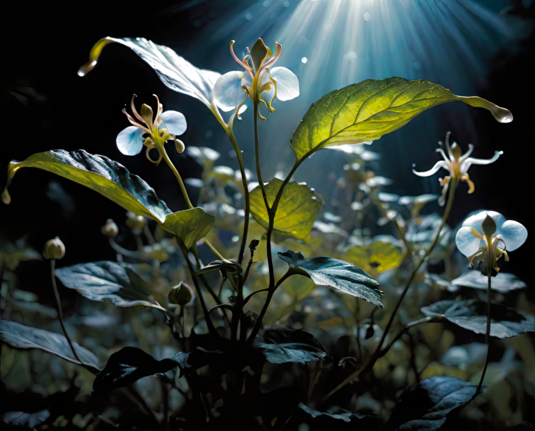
[[189, 225], [472, 315], [379, 255], [372, 108], [326, 271], [24, 337], [297, 210], [98, 281], [426, 405]]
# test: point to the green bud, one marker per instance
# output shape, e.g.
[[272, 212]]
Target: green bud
[[5, 197], [54, 249], [259, 51], [181, 294], [110, 229], [179, 145], [489, 227], [146, 114], [456, 151], [134, 221]]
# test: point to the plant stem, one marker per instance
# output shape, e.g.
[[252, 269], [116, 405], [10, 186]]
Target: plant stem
[[487, 333], [257, 155]]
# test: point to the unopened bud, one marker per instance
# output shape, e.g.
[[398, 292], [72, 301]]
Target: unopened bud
[[147, 114], [488, 226], [54, 249], [179, 145], [134, 221], [110, 229], [180, 294]]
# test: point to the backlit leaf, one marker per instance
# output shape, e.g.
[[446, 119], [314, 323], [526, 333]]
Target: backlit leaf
[[189, 225], [380, 255], [502, 282]]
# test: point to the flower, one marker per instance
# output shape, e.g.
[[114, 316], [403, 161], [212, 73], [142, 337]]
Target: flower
[[163, 127], [258, 80], [54, 249], [487, 236], [457, 164]]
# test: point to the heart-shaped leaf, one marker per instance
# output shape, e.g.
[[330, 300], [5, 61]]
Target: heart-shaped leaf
[[297, 210], [379, 255], [98, 281], [189, 225], [173, 70], [503, 282], [24, 337], [472, 315], [284, 345], [327, 271], [426, 405], [368, 110]]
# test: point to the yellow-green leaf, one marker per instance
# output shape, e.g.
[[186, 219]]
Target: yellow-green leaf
[[380, 255], [297, 210], [189, 225], [368, 110]]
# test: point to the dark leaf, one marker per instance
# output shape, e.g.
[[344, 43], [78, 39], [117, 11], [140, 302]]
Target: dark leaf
[[26, 420], [503, 282], [198, 358], [334, 412]]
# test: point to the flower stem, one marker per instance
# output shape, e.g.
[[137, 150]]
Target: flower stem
[[487, 333]]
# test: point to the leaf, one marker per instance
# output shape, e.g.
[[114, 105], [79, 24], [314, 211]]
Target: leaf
[[502, 282], [379, 255], [102, 280], [472, 315], [368, 110], [298, 288], [327, 271], [189, 225], [24, 337], [426, 405], [24, 419], [173, 70], [334, 412], [127, 366], [198, 358], [284, 345], [297, 210]]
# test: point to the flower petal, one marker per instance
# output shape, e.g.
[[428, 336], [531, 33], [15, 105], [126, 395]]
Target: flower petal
[[471, 161], [174, 122], [130, 141], [228, 91], [433, 170], [287, 83], [466, 242], [476, 220], [513, 233]]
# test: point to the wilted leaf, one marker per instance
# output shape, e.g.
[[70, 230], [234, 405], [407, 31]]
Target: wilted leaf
[[503, 282], [106, 280], [26, 420], [380, 255], [284, 345], [326, 271], [189, 225], [368, 110], [334, 412], [297, 210], [472, 315], [426, 405], [24, 337]]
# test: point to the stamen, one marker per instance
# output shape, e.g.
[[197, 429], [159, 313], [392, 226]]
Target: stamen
[[244, 65], [274, 59], [134, 109], [476, 233], [471, 185], [448, 148], [271, 109], [158, 111], [133, 122]]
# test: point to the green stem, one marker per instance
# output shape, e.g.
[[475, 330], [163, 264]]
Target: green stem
[[487, 333], [257, 155]]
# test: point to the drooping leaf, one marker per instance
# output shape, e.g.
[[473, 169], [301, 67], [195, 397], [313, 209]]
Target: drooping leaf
[[127, 366], [297, 210], [472, 315], [24, 337], [502, 282], [197, 358], [379, 255], [334, 412], [98, 281], [284, 345], [427, 404], [24, 419], [327, 271], [189, 225], [173, 70], [366, 111]]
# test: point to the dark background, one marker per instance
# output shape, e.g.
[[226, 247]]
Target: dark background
[[45, 105]]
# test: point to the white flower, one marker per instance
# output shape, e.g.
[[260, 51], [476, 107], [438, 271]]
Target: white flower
[[163, 127], [487, 237], [258, 80], [457, 164]]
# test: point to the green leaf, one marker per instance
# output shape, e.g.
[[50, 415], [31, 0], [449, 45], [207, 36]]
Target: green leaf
[[368, 110], [426, 405], [379, 255], [333, 412], [98, 281], [326, 271], [298, 287], [297, 210], [472, 315], [189, 225], [24, 419], [284, 345], [503, 282], [24, 337]]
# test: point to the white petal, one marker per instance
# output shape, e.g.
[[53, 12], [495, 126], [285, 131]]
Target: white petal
[[514, 234], [174, 122], [130, 141], [471, 161], [466, 242], [228, 91], [476, 220], [433, 170], [287, 83]]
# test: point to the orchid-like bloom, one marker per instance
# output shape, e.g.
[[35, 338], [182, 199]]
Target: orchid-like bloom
[[487, 236], [457, 164], [151, 131], [258, 80]]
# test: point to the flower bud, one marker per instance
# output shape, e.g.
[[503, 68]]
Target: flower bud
[[179, 145], [488, 226], [134, 221], [181, 294], [54, 249], [110, 229], [147, 114]]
